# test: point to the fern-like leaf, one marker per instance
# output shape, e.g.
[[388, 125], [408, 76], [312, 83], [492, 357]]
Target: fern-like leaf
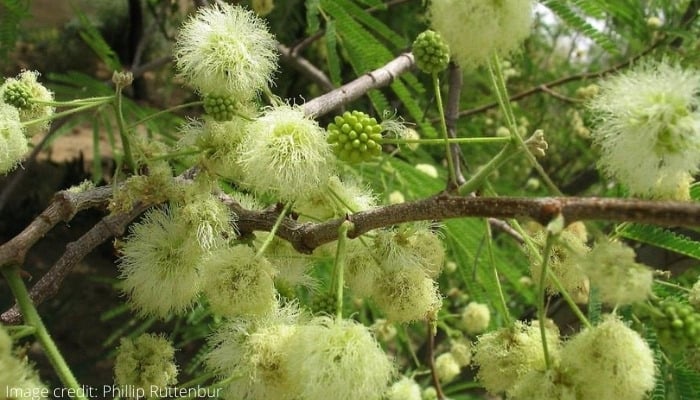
[[93, 38], [332, 53], [12, 12], [686, 382], [569, 13], [312, 10], [663, 238]]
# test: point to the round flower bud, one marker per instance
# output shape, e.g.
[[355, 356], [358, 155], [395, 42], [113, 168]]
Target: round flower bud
[[324, 303], [13, 143], [25, 93], [146, 363], [160, 264], [476, 318], [429, 393], [285, 153], [255, 349], [504, 356], [677, 324], [406, 295], [489, 27], [609, 361], [404, 389], [220, 107], [396, 197], [431, 52], [461, 350], [236, 283], [446, 367], [384, 330], [694, 295], [226, 50], [428, 169], [355, 137], [619, 279], [648, 129], [337, 359]]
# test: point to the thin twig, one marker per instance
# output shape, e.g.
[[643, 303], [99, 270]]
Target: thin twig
[[451, 116], [431, 361], [305, 67], [375, 79]]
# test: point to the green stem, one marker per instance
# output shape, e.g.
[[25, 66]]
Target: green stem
[[166, 111], [569, 300], [123, 131], [443, 128], [471, 140], [541, 306], [77, 102], [339, 267], [169, 156], [497, 279], [31, 317], [672, 285], [60, 114], [478, 179], [499, 83], [271, 236]]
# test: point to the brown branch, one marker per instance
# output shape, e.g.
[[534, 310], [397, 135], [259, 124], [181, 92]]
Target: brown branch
[[63, 207], [49, 284], [431, 361], [375, 79], [305, 237]]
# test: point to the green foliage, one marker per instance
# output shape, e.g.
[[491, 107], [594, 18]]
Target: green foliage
[[574, 13], [12, 12], [97, 43], [662, 238]]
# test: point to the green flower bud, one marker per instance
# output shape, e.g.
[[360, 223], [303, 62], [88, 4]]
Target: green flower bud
[[431, 52], [355, 137], [221, 108]]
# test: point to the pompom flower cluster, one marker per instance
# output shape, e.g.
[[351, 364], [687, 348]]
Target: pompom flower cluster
[[648, 129], [474, 30]]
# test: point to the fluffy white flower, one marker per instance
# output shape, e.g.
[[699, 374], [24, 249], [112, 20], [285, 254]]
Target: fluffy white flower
[[13, 143], [649, 129], [226, 50], [285, 153], [476, 29]]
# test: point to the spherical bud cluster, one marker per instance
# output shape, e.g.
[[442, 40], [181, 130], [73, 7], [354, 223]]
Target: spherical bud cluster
[[226, 50], [476, 318], [13, 143], [609, 361], [446, 367], [612, 270], [648, 129], [355, 137], [326, 354], [324, 303], [285, 153], [238, 283], [506, 355], [563, 261], [160, 264], [26, 94], [145, 363], [431, 52], [334, 200], [220, 107], [404, 389], [17, 374], [491, 27], [677, 324]]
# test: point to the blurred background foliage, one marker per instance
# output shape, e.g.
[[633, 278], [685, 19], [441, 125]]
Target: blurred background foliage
[[76, 45]]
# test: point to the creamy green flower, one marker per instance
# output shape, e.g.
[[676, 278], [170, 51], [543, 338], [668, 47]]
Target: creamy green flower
[[476, 29], [147, 362], [13, 143], [648, 129], [285, 153], [226, 50], [25, 93]]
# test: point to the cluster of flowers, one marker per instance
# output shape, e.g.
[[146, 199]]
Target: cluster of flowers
[[24, 112], [17, 378]]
